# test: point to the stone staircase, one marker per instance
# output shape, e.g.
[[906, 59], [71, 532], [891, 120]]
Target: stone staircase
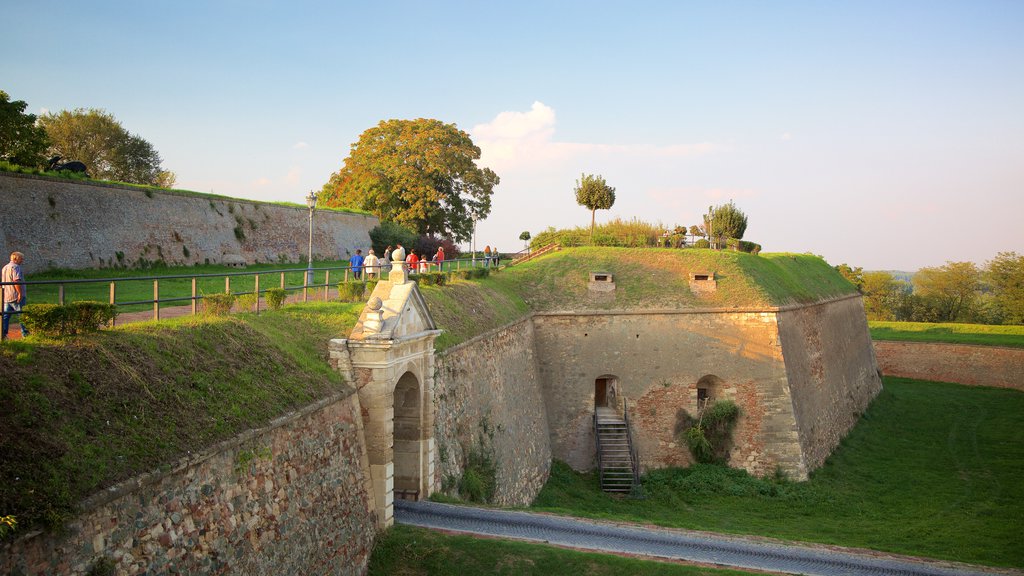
[[615, 454]]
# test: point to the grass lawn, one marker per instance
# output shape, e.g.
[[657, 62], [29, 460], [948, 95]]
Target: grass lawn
[[409, 551], [985, 334], [79, 414], [931, 470]]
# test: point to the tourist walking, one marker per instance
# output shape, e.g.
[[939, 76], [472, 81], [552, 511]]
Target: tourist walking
[[439, 258], [356, 262], [14, 296], [495, 256], [372, 265], [487, 256], [411, 260], [386, 261]]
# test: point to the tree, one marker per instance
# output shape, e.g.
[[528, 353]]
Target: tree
[[1005, 275], [22, 142], [110, 152], [854, 275], [419, 173], [884, 295], [726, 221], [950, 290], [525, 237], [594, 193]]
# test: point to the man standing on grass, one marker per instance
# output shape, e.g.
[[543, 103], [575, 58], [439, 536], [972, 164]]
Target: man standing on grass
[[357, 264], [13, 294]]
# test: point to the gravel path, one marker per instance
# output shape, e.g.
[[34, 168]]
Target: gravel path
[[669, 544]]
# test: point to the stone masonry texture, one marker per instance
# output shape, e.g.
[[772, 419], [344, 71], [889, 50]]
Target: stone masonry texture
[[958, 363], [288, 499], [487, 396], [68, 224]]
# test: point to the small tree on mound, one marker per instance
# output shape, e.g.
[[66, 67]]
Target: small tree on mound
[[594, 193]]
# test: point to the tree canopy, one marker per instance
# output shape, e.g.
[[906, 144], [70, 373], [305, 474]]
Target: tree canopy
[[951, 289], [22, 142], [727, 221], [419, 173], [594, 193], [95, 138], [1005, 275]]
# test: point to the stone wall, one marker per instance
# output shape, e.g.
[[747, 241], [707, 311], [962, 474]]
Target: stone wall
[[800, 376], [59, 223], [960, 363], [288, 499], [658, 359], [832, 372], [487, 395]]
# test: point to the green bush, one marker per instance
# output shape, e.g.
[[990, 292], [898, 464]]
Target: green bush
[[351, 291], [481, 272], [218, 304], [72, 318], [702, 243], [246, 302], [370, 285], [432, 278], [275, 297], [710, 437], [479, 478]]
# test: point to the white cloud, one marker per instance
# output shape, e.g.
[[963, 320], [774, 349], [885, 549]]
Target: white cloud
[[786, 137], [300, 146], [262, 182]]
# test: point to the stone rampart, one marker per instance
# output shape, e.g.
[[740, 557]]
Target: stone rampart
[[288, 499], [487, 396], [662, 360], [959, 363], [61, 223], [831, 369]]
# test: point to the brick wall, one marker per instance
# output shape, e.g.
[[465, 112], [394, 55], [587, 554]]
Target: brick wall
[[959, 363], [487, 391], [65, 224], [288, 499]]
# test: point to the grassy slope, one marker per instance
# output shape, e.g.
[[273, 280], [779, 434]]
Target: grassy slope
[[932, 470], [411, 551], [984, 334], [83, 413]]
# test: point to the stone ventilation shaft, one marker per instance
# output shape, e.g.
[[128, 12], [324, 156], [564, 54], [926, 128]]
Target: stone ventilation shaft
[[389, 359]]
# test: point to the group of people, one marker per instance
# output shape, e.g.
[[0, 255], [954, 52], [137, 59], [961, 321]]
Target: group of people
[[370, 267], [491, 256]]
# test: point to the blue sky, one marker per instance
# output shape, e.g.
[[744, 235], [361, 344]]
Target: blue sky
[[888, 135]]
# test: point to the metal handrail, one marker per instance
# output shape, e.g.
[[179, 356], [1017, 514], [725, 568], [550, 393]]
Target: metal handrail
[[634, 456], [597, 443]]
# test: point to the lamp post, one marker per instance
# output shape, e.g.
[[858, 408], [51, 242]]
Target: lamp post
[[474, 241], [311, 203]]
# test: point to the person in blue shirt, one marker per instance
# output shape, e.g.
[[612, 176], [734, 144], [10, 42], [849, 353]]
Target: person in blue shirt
[[357, 264]]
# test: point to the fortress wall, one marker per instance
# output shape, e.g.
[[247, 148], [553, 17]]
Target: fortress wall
[[658, 359], [832, 371], [288, 499], [960, 363], [487, 392], [67, 224]]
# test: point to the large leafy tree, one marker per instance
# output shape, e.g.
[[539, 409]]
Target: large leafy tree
[[1005, 275], [21, 140], [593, 192], [95, 138], [951, 290], [419, 173], [884, 295]]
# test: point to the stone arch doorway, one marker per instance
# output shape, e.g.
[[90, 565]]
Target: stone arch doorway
[[408, 445], [606, 391], [709, 389]]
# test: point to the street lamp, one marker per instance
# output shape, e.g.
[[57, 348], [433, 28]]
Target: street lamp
[[474, 241], [311, 203]]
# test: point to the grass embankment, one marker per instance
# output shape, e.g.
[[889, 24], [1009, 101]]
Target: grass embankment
[[653, 278], [932, 470], [80, 414], [411, 551], [468, 308], [983, 334]]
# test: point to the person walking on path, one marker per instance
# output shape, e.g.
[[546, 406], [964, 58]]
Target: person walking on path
[[356, 262], [411, 261], [14, 296], [487, 256], [439, 258], [386, 261], [372, 265]]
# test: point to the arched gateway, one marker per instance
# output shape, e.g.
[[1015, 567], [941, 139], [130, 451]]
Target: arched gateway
[[389, 358]]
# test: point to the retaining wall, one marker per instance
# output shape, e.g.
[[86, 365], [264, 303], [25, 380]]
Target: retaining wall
[[959, 363], [487, 396], [59, 223], [289, 499]]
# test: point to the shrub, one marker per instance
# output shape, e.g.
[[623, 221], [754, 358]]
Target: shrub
[[391, 233], [218, 304], [370, 285], [702, 243], [479, 477], [246, 302], [431, 278], [275, 297], [351, 291], [428, 245], [72, 318], [710, 438]]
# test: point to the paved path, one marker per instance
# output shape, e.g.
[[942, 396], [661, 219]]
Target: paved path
[[656, 543]]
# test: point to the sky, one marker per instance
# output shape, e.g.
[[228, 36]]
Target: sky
[[887, 135]]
